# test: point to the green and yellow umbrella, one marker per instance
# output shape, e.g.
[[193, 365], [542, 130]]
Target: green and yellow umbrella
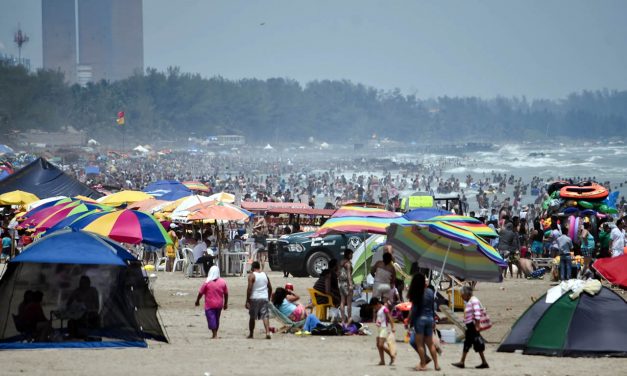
[[452, 249]]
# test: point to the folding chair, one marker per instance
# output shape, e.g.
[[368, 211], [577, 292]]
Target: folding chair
[[288, 324]]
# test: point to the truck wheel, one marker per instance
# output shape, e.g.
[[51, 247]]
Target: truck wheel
[[316, 263]]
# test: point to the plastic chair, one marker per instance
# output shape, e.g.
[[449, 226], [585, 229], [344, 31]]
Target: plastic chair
[[321, 308], [160, 264], [179, 259], [192, 269]]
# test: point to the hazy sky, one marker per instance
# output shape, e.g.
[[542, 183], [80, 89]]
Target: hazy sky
[[538, 48]]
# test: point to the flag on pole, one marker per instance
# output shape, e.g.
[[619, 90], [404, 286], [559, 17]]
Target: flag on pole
[[120, 119]]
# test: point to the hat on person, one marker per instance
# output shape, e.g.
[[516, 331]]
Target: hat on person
[[173, 225]]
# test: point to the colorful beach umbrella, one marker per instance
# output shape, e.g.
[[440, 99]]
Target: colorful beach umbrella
[[67, 221], [196, 186], [33, 217], [220, 212], [126, 226], [44, 201], [223, 197], [148, 206], [63, 213], [358, 211], [343, 225], [468, 223], [362, 256], [424, 214], [17, 198], [124, 197], [447, 248], [182, 209]]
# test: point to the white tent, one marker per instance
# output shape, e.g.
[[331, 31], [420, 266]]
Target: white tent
[[268, 147], [141, 149], [93, 142], [324, 145]]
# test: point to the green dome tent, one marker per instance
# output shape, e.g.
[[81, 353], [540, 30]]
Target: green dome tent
[[589, 326]]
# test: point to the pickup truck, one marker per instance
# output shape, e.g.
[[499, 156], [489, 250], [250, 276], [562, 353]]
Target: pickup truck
[[303, 256]]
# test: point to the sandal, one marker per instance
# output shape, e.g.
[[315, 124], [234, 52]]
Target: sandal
[[458, 365]]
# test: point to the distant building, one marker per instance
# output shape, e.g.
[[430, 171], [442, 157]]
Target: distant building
[[109, 44], [52, 139], [226, 140], [59, 37]]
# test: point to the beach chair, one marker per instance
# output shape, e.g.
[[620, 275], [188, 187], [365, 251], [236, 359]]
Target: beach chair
[[192, 269], [288, 324], [179, 260], [321, 308]]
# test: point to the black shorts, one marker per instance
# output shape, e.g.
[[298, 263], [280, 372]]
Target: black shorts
[[473, 339]]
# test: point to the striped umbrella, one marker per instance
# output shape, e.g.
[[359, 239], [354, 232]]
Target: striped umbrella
[[439, 245], [223, 197], [343, 225], [67, 221], [357, 211], [46, 202], [468, 223], [126, 226], [63, 213]]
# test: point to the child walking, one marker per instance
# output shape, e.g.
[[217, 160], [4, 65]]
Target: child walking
[[383, 319]]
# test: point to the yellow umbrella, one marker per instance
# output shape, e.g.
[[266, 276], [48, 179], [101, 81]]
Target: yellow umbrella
[[17, 198], [124, 197], [223, 197]]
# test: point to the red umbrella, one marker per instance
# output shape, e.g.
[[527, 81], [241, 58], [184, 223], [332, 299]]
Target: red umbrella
[[613, 269]]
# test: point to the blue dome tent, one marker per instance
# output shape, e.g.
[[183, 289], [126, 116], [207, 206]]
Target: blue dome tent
[[125, 312]]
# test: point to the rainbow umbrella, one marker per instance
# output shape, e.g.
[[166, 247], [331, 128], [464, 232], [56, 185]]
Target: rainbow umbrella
[[74, 207], [125, 226], [67, 221], [63, 213], [223, 197], [439, 245], [196, 186], [467, 223], [45, 201], [357, 211], [343, 225]]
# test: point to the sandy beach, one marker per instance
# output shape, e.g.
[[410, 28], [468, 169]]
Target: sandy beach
[[191, 352]]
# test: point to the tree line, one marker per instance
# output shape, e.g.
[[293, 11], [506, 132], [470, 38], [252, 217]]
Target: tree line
[[174, 105]]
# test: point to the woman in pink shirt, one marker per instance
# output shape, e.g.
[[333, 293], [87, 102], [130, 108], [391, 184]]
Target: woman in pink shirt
[[216, 295], [472, 316]]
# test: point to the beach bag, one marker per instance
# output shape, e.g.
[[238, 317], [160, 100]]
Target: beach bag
[[391, 341], [485, 322]]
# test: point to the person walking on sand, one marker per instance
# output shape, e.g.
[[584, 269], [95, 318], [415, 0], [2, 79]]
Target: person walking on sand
[[345, 283], [472, 316], [422, 320], [257, 295], [383, 319], [216, 295]]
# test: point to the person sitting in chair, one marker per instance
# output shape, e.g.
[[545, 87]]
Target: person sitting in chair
[[285, 301], [31, 319], [83, 307], [202, 255]]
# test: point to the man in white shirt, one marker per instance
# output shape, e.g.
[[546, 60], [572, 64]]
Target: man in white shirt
[[617, 239], [201, 256]]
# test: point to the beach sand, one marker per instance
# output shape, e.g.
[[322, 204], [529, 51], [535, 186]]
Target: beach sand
[[192, 352]]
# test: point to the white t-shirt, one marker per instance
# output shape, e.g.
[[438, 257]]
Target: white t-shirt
[[199, 250], [618, 241], [382, 320]]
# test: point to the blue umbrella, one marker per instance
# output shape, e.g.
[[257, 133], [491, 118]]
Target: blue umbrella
[[168, 190], [423, 214]]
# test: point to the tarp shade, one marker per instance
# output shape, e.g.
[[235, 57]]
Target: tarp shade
[[43, 179]]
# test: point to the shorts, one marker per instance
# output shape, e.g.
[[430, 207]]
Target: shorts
[[213, 318], [382, 332], [473, 339], [587, 252], [258, 309], [298, 314], [537, 248], [424, 326], [381, 290], [344, 290]]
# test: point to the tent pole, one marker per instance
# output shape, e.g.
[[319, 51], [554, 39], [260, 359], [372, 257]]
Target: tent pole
[[442, 274]]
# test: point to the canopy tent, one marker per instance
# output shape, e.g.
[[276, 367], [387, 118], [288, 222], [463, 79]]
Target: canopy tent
[[590, 326], [43, 179], [125, 314], [168, 190]]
